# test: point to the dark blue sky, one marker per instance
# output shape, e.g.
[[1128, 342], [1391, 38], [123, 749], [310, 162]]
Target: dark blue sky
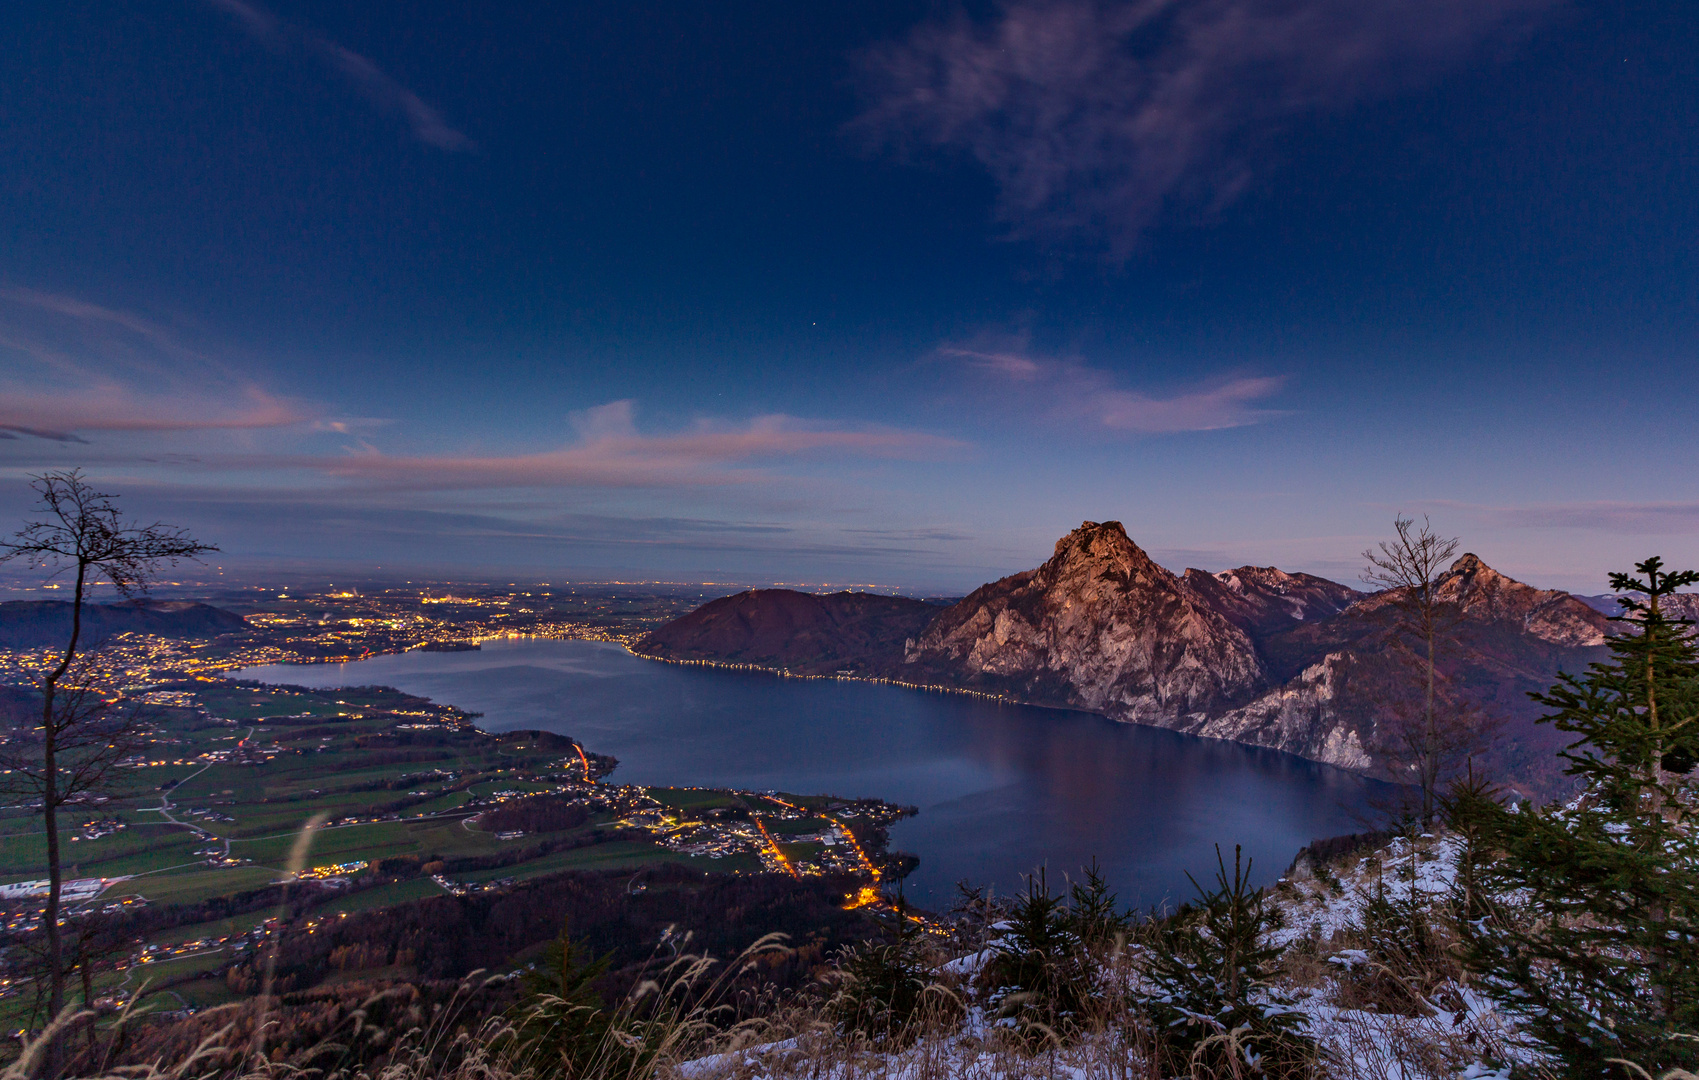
[[887, 293]]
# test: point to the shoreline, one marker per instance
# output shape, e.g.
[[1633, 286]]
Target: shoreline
[[786, 673], [779, 672]]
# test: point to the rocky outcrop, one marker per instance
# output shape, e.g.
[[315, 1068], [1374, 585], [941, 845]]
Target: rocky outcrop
[[1264, 600], [1481, 594], [802, 632], [1302, 717], [1100, 626], [1344, 685]]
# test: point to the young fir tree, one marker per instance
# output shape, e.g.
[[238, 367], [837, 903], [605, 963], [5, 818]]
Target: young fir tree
[[560, 1020], [1041, 975], [1593, 932], [887, 989], [1216, 1010]]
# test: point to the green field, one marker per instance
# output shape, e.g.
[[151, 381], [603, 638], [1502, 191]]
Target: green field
[[394, 784], [192, 886], [798, 826]]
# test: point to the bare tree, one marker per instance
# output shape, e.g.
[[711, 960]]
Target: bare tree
[[80, 533], [90, 735], [1410, 565]]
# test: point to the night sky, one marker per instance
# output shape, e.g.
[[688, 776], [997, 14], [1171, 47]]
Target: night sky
[[884, 293]]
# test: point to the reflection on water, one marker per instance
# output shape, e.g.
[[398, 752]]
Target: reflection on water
[[1001, 788]]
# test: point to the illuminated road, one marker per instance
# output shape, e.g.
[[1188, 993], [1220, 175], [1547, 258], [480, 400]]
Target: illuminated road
[[866, 863], [868, 895], [780, 855]]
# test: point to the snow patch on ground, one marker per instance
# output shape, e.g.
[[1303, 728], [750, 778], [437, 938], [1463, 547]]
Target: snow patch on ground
[[1425, 871], [1316, 904]]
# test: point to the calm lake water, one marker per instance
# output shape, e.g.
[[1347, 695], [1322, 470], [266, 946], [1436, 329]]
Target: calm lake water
[[1002, 789]]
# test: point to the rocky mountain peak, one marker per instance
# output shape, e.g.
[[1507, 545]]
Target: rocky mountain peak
[[1103, 550], [1483, 593], [1100, 625], [1269, 577], [1264, 600], [1470, 579], [1470, 563]]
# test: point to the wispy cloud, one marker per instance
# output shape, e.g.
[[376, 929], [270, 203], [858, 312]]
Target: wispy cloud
[[71, 370], [1656, 518], [1092, 116], [61, 417], [611, 452], [75, 367], [465, 537], [377, 86], [1071, 391]]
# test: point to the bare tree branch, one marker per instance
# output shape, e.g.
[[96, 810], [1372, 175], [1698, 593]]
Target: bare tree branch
[[81, 532], [1410, 566]]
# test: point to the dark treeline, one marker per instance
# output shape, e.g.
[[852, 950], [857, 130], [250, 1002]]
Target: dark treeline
[[613, 913], [303, 1022], [540, 813]]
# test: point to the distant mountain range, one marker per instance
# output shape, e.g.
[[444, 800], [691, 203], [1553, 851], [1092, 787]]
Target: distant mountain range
[[1679, 606], [35, 624], [1256, 655]]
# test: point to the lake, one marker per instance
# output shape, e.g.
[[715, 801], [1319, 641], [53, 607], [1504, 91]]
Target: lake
[[1001, 788]]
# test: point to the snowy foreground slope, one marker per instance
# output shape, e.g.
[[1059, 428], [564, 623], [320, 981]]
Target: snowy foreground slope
[[1322, 909], [1327, 922]]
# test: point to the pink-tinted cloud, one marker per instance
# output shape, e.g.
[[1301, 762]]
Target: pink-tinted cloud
[[1227, 405], [376, 85], [72, 370], [73, 367], [67, 415], [82, 311], [611, 452], [1008, 365], [1092, 116], [1069, 391]]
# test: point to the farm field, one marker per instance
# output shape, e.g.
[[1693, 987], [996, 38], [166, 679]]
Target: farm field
[[244, 803]]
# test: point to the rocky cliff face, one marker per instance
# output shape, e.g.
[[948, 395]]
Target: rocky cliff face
[[1100, 626], [1264, 600], [1311, 715], [1340, 682]]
